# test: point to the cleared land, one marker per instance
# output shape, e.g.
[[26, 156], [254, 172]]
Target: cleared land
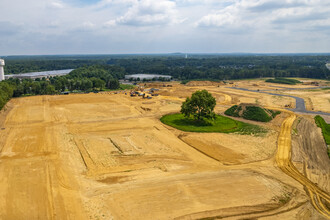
[[106, 156]]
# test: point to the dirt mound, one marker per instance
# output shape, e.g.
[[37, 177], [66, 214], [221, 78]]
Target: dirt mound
[[204, 83], [251, 112]]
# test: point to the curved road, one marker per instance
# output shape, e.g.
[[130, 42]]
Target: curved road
[[300, 102]]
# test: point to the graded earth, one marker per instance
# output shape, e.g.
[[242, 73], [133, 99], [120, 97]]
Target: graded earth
[[108, 156]]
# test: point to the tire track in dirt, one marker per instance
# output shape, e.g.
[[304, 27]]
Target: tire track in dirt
[[283, 160]]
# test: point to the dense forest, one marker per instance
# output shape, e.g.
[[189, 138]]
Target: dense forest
[[218, 67], [84, 79], [101, 72]]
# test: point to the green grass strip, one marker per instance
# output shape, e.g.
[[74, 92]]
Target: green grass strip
[[320, 122], [221, 124]]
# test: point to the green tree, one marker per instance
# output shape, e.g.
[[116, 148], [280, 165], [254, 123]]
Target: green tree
[[113, 84], [50, 90], [98, 83], [200, 106]]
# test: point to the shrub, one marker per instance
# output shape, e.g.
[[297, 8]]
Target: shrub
[[256, 114], [283, 81], [320, 122]]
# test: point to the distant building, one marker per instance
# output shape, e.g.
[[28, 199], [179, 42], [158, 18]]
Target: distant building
[[2, 72], [142, 77]]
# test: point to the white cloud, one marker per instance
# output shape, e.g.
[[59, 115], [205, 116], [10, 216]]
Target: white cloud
[[128, 26], [228, 16], [56, 5], [266, 14], [148, 12], [86, 26]]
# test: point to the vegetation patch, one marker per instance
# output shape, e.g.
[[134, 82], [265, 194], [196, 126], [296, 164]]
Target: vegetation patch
[[320, 122], [85, 79], [252, 112], [220, 124], [122, 87], [6, 92], [283, 81], [200, 106]]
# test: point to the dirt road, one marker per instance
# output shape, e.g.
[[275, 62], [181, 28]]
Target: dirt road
[[283, 159]]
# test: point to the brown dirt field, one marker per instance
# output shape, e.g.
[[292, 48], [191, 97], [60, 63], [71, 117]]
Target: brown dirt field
[[204, 83], [233, 148], [308, 142], [106, 156], [316, 100]]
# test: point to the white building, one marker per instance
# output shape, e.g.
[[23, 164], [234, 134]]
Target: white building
[[2, 72]]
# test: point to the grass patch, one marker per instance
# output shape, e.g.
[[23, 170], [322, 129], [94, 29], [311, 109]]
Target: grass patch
[[256, 114], [283, 81], [233, 111], [320, 122], [253, 113], [121, 87], [126, 86], [221, 124]]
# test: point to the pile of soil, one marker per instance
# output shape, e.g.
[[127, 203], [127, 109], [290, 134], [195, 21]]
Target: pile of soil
[[251, 112]]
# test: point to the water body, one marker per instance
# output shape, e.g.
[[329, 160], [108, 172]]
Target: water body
[[300, 102], [40, 74]]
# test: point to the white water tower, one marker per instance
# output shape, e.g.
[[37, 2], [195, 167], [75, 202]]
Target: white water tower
[[2, 72]]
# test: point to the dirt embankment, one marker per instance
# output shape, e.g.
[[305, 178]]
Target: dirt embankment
[[309, 152], [204, 83], [3, 113]]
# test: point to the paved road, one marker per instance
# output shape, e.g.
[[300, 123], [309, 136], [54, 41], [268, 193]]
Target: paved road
[[300, 102]]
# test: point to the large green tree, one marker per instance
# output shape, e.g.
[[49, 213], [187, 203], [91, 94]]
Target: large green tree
[[200, 106]]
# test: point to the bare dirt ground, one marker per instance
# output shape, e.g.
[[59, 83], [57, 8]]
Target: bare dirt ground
[[316, 100], [308, 142], [106, 156]]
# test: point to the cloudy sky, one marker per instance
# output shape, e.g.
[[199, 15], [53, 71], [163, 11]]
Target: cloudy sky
[[163, 26]]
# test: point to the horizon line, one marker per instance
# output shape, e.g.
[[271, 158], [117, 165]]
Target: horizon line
[[172, 53]]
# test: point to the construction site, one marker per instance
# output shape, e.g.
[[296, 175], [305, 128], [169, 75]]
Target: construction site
[[108, 156]]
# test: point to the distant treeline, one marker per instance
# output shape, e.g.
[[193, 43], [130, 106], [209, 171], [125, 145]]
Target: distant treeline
[[6, 92], [84, 79], [27, 66], [230, 67], [216, 67]]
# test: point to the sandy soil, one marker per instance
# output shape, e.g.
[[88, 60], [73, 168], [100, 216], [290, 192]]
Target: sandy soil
[[106, 156], [308, 142], [316, 100], [233, 149]]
